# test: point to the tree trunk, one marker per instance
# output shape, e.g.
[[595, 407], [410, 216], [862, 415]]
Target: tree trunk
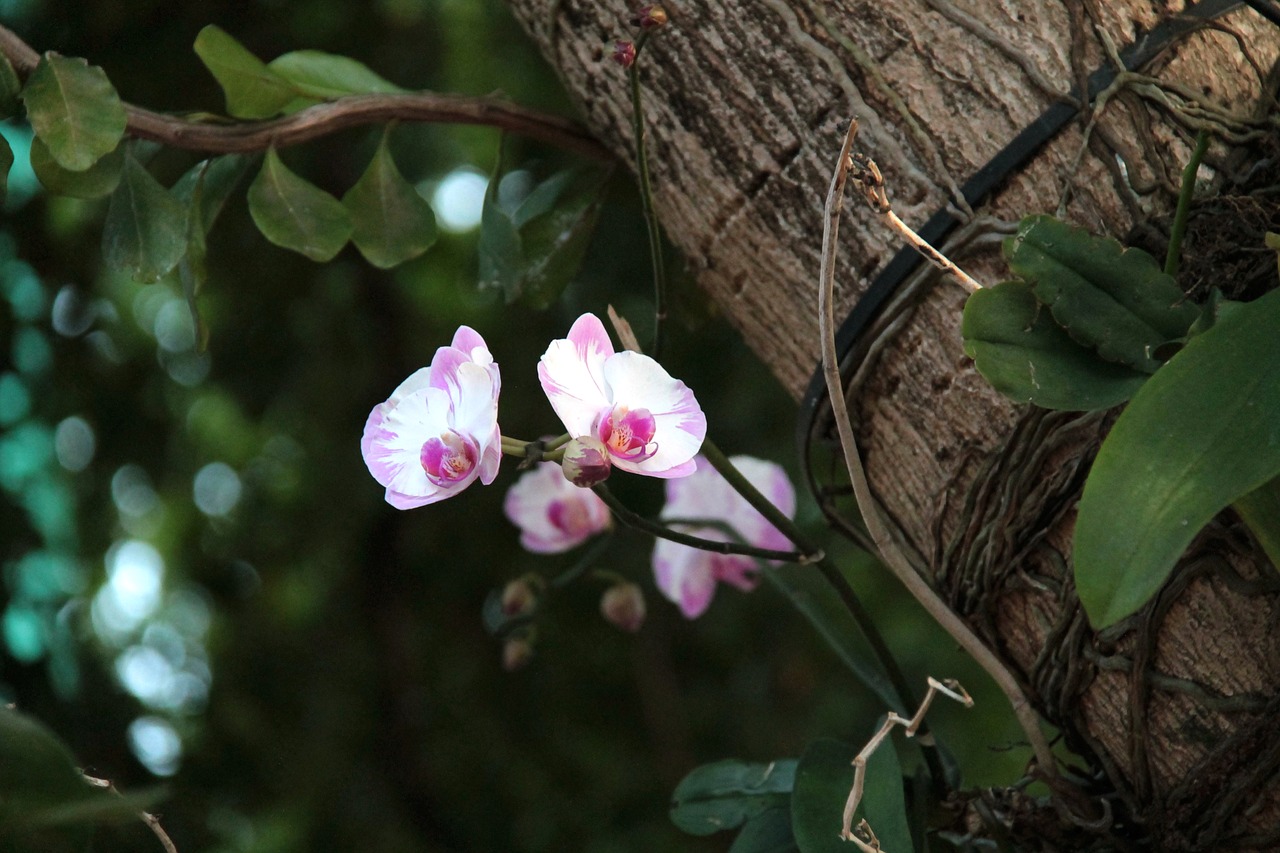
[[746, 103]]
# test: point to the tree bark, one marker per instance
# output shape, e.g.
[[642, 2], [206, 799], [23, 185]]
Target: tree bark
[[746, 102]]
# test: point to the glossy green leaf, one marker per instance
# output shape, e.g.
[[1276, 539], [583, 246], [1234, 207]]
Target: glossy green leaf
[[1113, 300], [834, 624], [392, 222], [325, 76], [726, 794], [1025, 355], [251, 88], [823, 779], [146, 228], [74, 109], [768, 832], [10, 89], [1201, 433], [295, 214], [6, 163], [97, 181]]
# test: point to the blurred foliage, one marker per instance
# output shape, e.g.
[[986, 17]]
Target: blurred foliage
[[202, 583]]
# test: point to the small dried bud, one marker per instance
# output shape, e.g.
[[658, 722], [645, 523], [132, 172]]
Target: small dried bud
[[623, 605], [518, 598], [650, 17], [586, 461], [624, 53], [516, 653]]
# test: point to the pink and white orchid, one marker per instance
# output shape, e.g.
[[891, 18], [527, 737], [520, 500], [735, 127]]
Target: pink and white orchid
[[553, 514], [688, 576], [649, 422], [438, 432]]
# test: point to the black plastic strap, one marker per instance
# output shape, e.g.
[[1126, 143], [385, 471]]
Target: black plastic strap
[[989, 178]]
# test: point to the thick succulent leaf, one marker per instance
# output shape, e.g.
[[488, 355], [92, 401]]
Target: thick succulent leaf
[[768, 832], [392, 222], [1201, 433], [251, 88], [295, 214], [1018, 348], [1114, 300], [726, 794], [6, 163], [97, 181], [325, 76], [146, 228], [823, 779], [833, 623], [10, 89], [74, 109]]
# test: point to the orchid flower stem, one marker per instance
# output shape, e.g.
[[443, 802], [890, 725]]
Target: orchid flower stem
[[830, 573], [646, 200], [593, 554], [1185, 195], [548, 449], [639, 522]]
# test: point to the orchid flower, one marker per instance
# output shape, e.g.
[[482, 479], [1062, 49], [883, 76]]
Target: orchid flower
[[438, 432], [688, 576], [553, 514], [649, 422]]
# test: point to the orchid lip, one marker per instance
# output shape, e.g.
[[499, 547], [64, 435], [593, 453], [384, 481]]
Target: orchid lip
[[628, 433], [449, 458]]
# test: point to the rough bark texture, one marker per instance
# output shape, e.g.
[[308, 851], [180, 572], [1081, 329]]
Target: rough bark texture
[[746, 101]]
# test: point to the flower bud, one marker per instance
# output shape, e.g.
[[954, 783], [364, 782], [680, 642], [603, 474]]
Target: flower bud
[[516, 653], [518, 598], [624, 53], [649, 17], [586, 461], [623, 605]]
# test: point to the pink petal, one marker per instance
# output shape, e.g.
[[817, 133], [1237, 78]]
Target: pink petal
[[685, 576], [572, 374]]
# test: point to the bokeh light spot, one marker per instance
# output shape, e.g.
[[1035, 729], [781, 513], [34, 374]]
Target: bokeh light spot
[[74, 443], [216, 489], [459, 200], [156, 744]]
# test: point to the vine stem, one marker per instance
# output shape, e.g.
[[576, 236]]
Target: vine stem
[[229, 136], [1185, 194], [876, 527], [646, 201]]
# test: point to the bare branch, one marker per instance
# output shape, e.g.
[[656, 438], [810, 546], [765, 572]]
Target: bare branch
[[239, 137]]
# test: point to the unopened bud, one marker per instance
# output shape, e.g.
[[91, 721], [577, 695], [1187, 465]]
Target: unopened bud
[[623, 605], [586, 461], [650, 17], [516, 653], [624, 53], [518, 598]]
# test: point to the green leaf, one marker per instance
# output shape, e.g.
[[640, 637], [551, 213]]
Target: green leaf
[[251, 88], [10, 89], [768, 832], [726, 794], [1201, 433], [97, 181], [1260, 511], [835, 625], [392, 223], [1114, 300], [532, 247], [146, 228], [6, 163], [1025, 355], [295, 214], [207, 186], [823, 780], [325, 76], [74, 109]]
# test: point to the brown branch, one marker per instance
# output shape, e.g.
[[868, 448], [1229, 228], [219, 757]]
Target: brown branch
[[238, 137]]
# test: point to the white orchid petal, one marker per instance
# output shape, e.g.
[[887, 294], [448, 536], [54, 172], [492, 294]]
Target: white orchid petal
[[572, 375]]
